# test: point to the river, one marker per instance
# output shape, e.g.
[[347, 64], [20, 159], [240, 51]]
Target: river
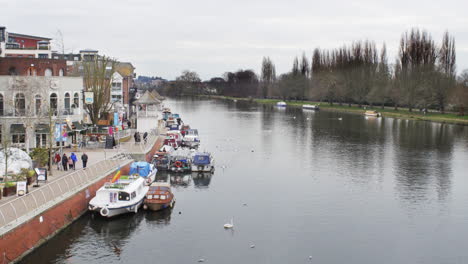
[[301, 187]]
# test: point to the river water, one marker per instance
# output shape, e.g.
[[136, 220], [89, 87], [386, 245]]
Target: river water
[[301, 187]]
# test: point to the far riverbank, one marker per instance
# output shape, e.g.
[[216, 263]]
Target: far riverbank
[[402, 113]]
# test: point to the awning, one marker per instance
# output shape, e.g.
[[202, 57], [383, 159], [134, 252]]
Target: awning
[[17, 129], [42, 129]]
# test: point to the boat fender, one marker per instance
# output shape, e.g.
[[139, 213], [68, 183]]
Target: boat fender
[[145, 207], [135, 209], [148, 181], [104, 211]]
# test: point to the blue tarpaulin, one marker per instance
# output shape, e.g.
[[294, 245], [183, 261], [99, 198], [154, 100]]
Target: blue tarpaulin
[[141, 168], [201, 159]]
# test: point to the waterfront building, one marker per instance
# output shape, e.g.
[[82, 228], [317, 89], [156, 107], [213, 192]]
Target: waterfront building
[[23, 46], [35, 95]]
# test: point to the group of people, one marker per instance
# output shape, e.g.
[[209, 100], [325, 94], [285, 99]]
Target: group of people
[[137, 137], [69, 162]]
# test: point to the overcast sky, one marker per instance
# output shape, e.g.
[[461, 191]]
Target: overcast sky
[[163, 38]]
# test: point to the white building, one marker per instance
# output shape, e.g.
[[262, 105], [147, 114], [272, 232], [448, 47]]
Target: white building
[[30, 105]]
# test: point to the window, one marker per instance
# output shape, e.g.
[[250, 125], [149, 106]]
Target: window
[[67, 103], [53, 103], [116, 86], [61, 72], [133, 195], [20, 105], [48, 72], [76, 100], [18, 133], [37, 104], [123, 196], [43, 56], [1, 104], [1, 135]]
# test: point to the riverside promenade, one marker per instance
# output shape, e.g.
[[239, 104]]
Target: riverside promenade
[[30, 220]]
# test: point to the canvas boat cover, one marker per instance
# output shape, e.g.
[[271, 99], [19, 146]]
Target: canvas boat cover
[[141, 168], [201, 159]]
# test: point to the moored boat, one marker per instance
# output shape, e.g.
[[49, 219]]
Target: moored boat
[[372, 113], [191, 138], [281, 104], [311, 107], [202, 162], [123, 196], [159, 196]]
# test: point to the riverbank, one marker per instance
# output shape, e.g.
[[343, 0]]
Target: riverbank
[[450, 118]]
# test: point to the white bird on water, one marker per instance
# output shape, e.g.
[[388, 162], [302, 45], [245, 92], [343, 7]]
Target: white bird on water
[[229, 225], [340, 118]]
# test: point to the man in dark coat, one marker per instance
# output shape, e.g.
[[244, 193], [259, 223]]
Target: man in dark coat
[[84, 159], [65, 162]]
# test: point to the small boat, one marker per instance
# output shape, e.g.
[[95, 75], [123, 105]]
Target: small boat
[[159, 196], [202, 162], [124, 196], [191, 139], [281, 104], [311, 107], [175, 134], [170, 141], [184, 128], [180, 164], [144, 169], [161, 160], [372, 113]]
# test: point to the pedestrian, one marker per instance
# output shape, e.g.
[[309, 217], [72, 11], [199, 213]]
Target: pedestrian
[[74, 160], [129, 124], [70, 163], [84, 159], [135, 136], [145, 136], [65, 162], [57, 160]]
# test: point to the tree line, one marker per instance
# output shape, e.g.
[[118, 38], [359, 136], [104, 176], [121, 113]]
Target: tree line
[[423, 76]]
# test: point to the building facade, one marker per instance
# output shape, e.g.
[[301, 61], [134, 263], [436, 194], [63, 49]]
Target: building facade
[[15, 45], [30, 105]]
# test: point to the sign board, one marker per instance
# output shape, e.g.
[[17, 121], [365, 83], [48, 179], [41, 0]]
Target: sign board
[[41, 174], [21, 188], [61, 132], [109, 142], [89, 97]]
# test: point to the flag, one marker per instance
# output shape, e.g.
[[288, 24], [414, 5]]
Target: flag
[[116, 176]]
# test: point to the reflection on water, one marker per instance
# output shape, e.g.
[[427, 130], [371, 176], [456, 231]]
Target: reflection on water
[[339, 187]]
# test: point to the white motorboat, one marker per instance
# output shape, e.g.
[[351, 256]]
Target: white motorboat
[[281, 104], [372, 113], [202, 162], [191, 138], [124, 194], [310, 107]]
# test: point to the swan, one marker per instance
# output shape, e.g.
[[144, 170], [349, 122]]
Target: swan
[[229, 225]]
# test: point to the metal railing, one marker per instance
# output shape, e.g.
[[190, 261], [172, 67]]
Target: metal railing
[[20, 209]]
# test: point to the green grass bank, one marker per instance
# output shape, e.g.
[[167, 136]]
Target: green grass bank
[[402, 113]]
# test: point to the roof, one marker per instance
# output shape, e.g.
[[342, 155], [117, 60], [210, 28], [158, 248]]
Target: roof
[[89, 50], [124, 68], [11, 34], [157, 95], [147, 98]]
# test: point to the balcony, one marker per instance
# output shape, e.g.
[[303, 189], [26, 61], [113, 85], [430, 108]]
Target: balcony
[[16, 46]]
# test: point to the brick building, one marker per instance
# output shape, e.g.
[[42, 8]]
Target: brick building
[[32, 67]]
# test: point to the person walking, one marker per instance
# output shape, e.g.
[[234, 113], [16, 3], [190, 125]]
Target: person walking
[[74, 160], [70, 163], [57, 160], [145, 136], [84, 159], [65, 162], [135, 136]]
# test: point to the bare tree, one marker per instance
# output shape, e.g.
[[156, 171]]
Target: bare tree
[[447, 68], [97, 75]]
